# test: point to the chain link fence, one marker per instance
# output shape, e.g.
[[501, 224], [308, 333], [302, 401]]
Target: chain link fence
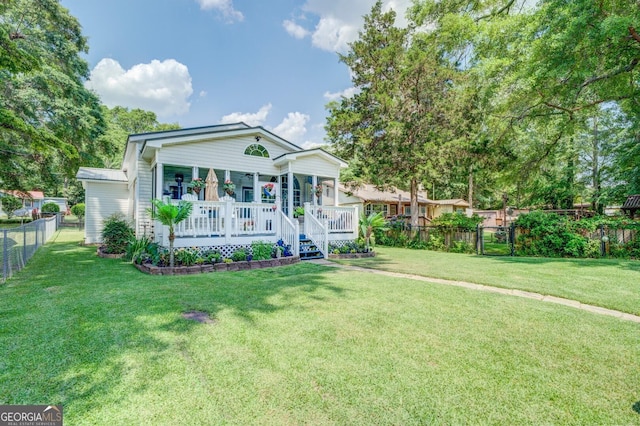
[[18, 245]]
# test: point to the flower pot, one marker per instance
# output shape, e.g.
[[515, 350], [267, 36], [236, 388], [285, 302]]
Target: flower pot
[[197, 190]]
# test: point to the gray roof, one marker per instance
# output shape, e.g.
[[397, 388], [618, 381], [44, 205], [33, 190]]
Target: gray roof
[[632, 202], [110, 175]]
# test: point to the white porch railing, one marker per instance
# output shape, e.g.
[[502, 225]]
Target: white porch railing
[[290, 232], [316, 231], [228, 218], [337, 219]]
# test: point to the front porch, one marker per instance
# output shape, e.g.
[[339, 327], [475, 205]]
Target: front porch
[[230, 223]]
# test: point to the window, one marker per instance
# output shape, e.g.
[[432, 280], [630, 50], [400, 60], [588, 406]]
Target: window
[[257, 150], [376, 208]]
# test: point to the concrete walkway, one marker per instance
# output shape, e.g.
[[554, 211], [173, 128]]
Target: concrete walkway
[[481, 287]]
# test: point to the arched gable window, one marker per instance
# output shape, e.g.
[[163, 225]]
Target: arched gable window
[[257, 150]]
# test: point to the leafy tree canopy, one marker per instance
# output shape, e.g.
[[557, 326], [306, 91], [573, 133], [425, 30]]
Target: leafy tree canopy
[[48, 120]]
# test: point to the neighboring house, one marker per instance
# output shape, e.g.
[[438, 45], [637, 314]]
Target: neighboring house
[[393, 202], [30, 200], [456, 205], [271, 177], [631, 206], [493, 218]]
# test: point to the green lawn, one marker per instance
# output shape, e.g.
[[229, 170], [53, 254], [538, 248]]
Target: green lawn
[[610, 283], [303, 344]]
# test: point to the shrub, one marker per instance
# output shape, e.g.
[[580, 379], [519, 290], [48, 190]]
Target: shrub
[[78, 210], [261, 250], [212, 256], [186, 256], [457, 221], [116, 234], [436, 242], [50, 208], [239, 255], [138, 250], [462, 247]]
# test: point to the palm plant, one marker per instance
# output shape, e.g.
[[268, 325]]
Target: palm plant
[[170, 215], [370, 224]]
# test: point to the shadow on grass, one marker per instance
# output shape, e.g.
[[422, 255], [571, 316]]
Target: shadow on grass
[[75, 318], [632, 265], [636, 407]]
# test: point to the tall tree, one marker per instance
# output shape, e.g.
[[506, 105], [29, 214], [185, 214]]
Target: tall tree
[[48, 120], [400, 117], [120, 123], [544, 66]]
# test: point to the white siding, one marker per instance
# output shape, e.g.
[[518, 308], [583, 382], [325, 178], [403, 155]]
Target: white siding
[[145, 195], [102, 199], [315, 165], [226, 154]]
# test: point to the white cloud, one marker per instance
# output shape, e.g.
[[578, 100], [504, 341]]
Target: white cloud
[[293, 127], [250, 118], [336, 96], [339, 21], [333, 34], [295, 30], [223, 6], [162, 87], [312, 144]]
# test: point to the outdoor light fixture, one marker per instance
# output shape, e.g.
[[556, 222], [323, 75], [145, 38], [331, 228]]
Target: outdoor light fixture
[[258, 138], [179, 178]]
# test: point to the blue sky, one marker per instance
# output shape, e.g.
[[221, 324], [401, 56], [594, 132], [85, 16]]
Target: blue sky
[[203, 62]]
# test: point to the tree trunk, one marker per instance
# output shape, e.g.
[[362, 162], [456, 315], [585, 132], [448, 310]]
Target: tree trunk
[[414, 203], [470, 187], [595, 168], [172, 237]]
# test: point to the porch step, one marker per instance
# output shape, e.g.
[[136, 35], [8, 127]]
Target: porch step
[[308, 250]]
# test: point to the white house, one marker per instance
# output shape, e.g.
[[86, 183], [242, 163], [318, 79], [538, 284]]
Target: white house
[[271, 177]]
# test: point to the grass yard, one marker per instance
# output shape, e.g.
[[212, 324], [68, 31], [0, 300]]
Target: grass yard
[[304, 344], [610, 283]]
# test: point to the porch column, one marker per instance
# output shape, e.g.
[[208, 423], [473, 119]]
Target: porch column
[[257, 195], [290, 189], [314, 183], [195, 172], [159, 181], [336, 192]]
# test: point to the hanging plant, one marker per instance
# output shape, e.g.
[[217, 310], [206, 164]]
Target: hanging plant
[[229, 187]]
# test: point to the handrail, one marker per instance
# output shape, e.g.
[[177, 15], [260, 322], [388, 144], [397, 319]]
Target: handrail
[[289, 232], [316, 231], [339, 219]]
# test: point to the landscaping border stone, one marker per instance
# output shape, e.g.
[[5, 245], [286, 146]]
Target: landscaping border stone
[[218, 267], [109, 255]]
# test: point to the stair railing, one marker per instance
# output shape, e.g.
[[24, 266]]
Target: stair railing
[[289, 232], [316, 231]]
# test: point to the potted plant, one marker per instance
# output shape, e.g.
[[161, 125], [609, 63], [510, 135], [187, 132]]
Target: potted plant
[[197, 184], [229, 187], [318, 190]]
